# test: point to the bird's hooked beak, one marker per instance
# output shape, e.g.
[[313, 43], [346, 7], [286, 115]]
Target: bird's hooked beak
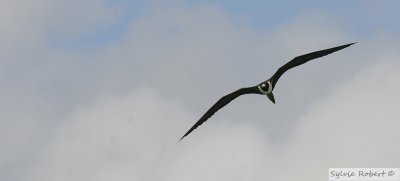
[[271, 97]]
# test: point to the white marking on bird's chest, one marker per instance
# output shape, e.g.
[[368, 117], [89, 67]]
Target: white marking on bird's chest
[[269, 88]]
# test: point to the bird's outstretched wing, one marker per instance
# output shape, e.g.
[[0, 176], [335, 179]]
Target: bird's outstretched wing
[[221, 103], [303, 59]]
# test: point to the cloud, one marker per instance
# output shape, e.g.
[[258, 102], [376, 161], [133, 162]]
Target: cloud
[[135, 137], [123, 134], [36, 89], [221, 56], [354, 127], [84, 115]]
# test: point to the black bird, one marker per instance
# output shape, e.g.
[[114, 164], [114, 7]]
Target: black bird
[[265, 87]]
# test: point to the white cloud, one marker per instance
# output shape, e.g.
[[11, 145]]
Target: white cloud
[[33, 87], [357, 126], [135, 137], [190, 55], [122, 135], [26, 26]]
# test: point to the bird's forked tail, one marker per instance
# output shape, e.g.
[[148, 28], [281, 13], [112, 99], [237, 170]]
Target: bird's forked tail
[[271, 97]]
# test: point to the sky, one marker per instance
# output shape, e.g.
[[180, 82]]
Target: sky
[[103, 90]]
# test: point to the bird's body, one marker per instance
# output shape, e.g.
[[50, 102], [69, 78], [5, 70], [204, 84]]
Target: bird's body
[[265, 87]]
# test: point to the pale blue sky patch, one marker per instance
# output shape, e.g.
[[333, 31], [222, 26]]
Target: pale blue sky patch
[[362, 18]]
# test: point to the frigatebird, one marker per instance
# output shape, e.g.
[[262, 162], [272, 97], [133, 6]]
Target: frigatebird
[[265, 87]]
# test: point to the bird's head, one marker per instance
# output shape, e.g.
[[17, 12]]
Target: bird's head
[[266, 89]]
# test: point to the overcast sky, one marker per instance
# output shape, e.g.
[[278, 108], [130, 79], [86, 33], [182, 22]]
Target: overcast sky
[[103, 90]]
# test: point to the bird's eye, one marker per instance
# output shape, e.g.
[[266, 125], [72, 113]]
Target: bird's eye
[[263, 85]]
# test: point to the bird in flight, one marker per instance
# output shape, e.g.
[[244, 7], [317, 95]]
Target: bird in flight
[[266, 87]]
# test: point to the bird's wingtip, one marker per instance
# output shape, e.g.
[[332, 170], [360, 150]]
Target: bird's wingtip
[[183, 137], [347, 45]]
